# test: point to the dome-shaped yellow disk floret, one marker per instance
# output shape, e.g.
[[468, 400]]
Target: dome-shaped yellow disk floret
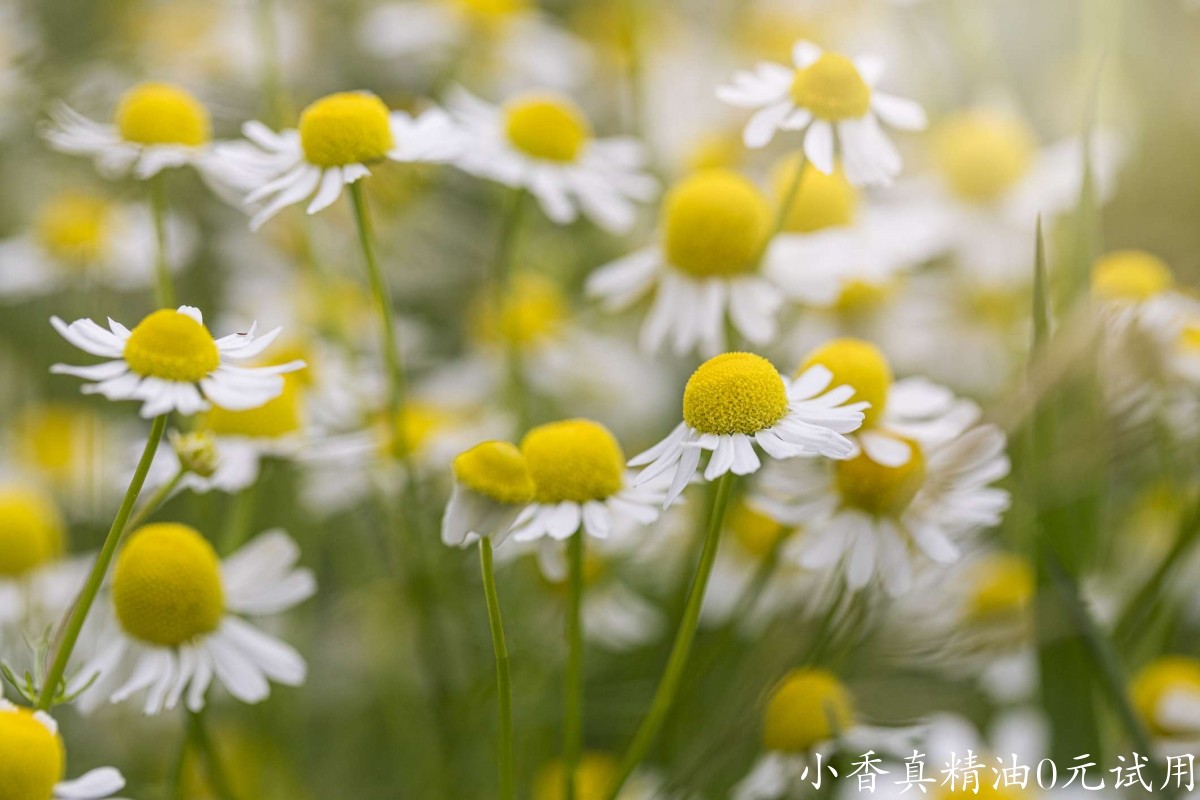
[[832, 88], [1130, 276], [167, 585], [982, 154], [594, 778], [31, 530], [160, 113], [573, 460], [171, 345], [821, 201], [346, 128], [33, 757], [496, 470], [1157, 681], [1002, 588], [808, 706], [734, 393], [856, 363], [546, 126], [714, 224], [880, 490]]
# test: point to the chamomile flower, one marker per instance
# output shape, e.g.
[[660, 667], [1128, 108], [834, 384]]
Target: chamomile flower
[[156, 126], [33, 766], [737, 400], [869, 520], [707, 268], [179, 620], [337, 138], [1166, 695], [77, 237], [833, 101], [579, 476], [492, 485], [1134, 286], [543, 143], [170, 362]]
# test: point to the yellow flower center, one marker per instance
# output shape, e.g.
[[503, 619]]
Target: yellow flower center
[[573, 460], [594, 777], [1161, 678], [714, 224], [734, 393], [1189, 338], [757, 533], [346, 128], [34, 758], [73, 228], [879, 490], [419, 423], [832, 89], [167, 585], [160, 113], [821, 201], [1002, 588], [32, 532], [496, 470], [533, 310], [170, 345], [860, 296], [983, 154], [58, 440], [491, 11], [1130, 276], [808, 707], [546, 126], [273, 419], [856, 363]]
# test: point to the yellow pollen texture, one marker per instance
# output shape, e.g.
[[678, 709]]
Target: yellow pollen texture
[[32, 531], [822, 201], [832, 89], [594, 778], [714, 224], [879, 490], [734, 393], [346, 128], [160, 113], [574, 460], [1158, 680], [1002, 588], [73, 227], [547, 126], [170, 345], [808, 707], [1130, 276], [275, 418], [167, 585], [496, 470], [856, 363], [33, 759], [982, 154]]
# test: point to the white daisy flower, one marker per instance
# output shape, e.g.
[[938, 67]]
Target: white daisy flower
[[543, 143], [833, 100], [337, 138], [579, 473], [78, 238], [179, 621], [869, 520], [492, 485], [1166, 695], [156, 126], [39, 770], [170, 362], [709, 267], [737, 400]]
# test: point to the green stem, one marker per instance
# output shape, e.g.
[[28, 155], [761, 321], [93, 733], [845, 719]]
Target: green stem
[[785, 205], [669, 685], [155, 502], [218, 781], [508, 789], [179, 767], [83, 604], [165, 290], [1133, 620], [573, 681], [391, 348], [501, 286], [272, 76]]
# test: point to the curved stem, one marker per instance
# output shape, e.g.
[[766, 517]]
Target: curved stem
[[503, 678], [573, 681], [785, 205], [669, 685], [83, 604], [164, 289]]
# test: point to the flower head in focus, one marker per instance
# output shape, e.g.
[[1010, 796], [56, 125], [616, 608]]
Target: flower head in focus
[[34, 764]]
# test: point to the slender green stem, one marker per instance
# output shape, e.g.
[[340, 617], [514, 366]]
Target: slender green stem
[[391, 348], [165, 290], [669, 685], [218, 781], [508, 790], [1133, 619], [501, 286], [274, 98], [785, 205], [83, 604], [573, 682], [179, 766]]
